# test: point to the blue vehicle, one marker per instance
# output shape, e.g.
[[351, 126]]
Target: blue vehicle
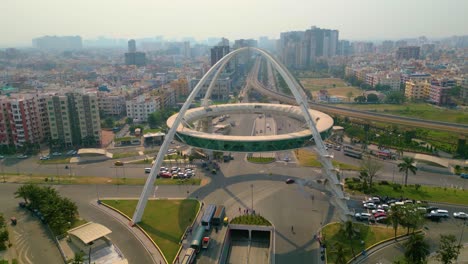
[[208, 216], [464, 175]]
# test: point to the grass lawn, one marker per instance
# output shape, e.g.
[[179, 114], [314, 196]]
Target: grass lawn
[[164, 220], [153, 130], [64, 160], [418, 110], [124, 155], [65, 179], [143, 161], [308, 158], [334, 86], [261, 159], [151, 151], [369, 234], [425, 193], [123, 139]]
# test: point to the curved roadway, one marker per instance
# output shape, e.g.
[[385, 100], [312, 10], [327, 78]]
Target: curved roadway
[[277, 142], [408, 121]]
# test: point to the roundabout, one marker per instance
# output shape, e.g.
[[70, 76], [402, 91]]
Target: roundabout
[[233, 143]]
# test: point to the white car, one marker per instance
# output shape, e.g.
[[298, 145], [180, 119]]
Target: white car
[[370, 206], [383, 206], [22, 156], [44, 158], [460, 215], [362, 216], [56, 154]]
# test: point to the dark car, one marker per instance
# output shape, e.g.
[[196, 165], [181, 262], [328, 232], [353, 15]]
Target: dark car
[[290, 181], [431, 208]]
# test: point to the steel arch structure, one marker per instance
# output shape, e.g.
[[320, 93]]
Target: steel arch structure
[[332, 183]]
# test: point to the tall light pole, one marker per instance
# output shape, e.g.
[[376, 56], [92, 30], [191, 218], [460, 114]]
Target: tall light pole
[[461, 235], [251, 186]]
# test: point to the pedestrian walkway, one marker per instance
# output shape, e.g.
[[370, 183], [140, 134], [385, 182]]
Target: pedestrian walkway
[[156, 255]]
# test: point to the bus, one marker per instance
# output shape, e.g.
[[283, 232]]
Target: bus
[[208, 216], [352, 152], [218, 216], [189, 256], [196, 238]]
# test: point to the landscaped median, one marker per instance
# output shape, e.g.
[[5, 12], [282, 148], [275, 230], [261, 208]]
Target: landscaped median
[[309, 159], [413, 192], [165, 221], [363, 237], [66, 179]]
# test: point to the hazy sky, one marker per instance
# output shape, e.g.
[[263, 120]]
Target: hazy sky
[[22, 20]]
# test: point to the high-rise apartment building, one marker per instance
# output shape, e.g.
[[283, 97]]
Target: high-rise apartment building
[[131, 46], [20, 120], [132, 57], [409, 52], [217, 53], [74, 119], [300, 49], [58, 43]]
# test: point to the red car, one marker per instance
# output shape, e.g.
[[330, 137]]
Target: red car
[[165, 174]]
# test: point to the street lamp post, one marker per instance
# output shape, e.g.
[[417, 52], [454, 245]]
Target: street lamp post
[[461, 235], [251, 186]]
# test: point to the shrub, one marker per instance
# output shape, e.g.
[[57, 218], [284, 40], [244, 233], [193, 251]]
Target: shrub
[[384, 183], [417, 187], [356, 179], [396, 187]]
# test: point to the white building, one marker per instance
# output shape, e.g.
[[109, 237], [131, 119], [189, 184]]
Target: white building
[[141, 106], [113, 105], [390, 80]]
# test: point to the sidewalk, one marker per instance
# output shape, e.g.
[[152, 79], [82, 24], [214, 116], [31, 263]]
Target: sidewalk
[[145, 241], [387, 254]]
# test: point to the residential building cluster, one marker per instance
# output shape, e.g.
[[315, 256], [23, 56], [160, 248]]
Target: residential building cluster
[[301, 49]]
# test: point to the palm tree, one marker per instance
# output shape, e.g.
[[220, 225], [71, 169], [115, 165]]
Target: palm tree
[[339, 254], [416, 249], [395, 218], [348, 229], [406, 166]]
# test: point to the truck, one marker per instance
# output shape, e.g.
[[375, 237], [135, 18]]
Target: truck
[[218, 215]]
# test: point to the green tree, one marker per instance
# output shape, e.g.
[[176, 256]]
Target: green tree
[[448, 249], [416, 249], [395, 97], [372, 168], [26, 192], [360, 99], [339, 253], [348, 229], [354, 132], [372, 98], [412, 217], [349, 95], [394, 218], [153, 120], [129, 121], [79, 258], [109, 122], [406, 166]]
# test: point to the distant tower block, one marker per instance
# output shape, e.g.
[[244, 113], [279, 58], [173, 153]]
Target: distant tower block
[[131, 45]]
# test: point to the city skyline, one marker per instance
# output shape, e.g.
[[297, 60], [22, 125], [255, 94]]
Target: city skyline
[[356, 20]]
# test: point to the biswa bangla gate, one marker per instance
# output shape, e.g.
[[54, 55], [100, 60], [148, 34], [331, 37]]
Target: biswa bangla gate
[[314, 121]]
